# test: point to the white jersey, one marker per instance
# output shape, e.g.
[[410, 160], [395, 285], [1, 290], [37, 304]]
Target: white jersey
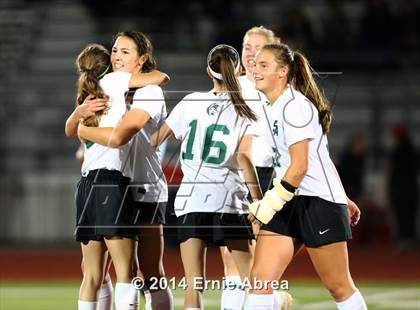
[[211, 132], [261, 151], [148, 177], [294, 118], [97, 156]]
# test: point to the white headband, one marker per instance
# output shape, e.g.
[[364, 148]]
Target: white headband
[[218, 75]]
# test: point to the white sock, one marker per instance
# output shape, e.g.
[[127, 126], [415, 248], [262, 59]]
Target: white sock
[[193, 309], [354, 302], [233, 297], [125, 296], [282, 300], [259, 302], [136, 301], [87, 305], [162, 300], [147, 300], [105, 296], [277, 302]]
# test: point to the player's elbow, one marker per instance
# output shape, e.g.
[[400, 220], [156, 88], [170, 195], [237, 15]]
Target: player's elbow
[[116, 141], [301, 170], [69, 132], [244, 159], [299, 166]]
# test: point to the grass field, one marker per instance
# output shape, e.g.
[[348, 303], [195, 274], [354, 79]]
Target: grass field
[[307, 295]]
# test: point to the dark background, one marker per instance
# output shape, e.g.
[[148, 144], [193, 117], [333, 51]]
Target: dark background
[[368, 54]]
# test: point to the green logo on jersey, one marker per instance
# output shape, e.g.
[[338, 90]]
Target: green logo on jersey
[[89, 144], [276, 157], [275, 129], [213, 109]]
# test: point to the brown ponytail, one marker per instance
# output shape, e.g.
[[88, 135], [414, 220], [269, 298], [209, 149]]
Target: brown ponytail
[[301, 77], [224, 59], [93, 62]]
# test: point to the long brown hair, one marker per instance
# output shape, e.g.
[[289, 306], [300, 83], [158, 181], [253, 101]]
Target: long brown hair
[[225, 59], [93, 62], [301, 77]]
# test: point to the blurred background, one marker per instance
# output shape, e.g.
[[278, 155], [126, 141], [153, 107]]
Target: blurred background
[[369, 55]]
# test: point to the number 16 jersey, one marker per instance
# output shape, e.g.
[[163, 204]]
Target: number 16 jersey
[[211, 131]]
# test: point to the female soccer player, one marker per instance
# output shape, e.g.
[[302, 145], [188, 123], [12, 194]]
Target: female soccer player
[[216, 128], [253, 40], [95, 105], [148, 194], [308, 204], [102, 214]]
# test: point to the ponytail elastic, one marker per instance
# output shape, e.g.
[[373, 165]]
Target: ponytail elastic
[[216, 74], [103, 73], [292, 55]]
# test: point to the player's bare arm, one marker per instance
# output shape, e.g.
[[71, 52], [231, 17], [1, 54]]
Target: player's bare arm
[[154, 77], [299, 156], [245, 162], [88, 108], [161, 135], [133, 122]]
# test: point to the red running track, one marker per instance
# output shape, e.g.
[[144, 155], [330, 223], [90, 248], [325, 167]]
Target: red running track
[[374, 263]]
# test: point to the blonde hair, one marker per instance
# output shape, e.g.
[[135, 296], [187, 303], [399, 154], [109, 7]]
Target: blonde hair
[[263, 31], [93, 63]]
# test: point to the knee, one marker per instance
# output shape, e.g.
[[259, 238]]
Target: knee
[[254, 272], [258, 276], [340, 290], [124, 273], [230, 269], [93, 278], [260, 272]]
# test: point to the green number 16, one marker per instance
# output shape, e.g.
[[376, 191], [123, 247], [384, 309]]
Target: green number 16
[[208, 143]]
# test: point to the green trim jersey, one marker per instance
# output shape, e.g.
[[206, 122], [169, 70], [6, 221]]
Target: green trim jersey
[[293, 118], [256, 100], [97, 156], [211, 131], [148, 178]]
